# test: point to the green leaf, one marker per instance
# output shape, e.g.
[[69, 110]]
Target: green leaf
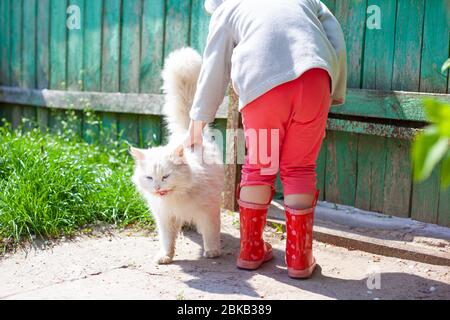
[[445, 66], [438, 113], [428, 149]]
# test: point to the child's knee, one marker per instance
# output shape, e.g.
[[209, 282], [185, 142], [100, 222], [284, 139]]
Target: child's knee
[[299, 179]]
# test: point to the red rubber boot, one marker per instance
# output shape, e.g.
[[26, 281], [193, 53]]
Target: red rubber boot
[[254, 251], [299, 228]]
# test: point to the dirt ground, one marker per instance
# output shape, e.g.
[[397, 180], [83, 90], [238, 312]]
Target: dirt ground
[[118, 265]]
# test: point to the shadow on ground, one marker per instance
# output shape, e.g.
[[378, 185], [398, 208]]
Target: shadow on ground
[[394, 285]]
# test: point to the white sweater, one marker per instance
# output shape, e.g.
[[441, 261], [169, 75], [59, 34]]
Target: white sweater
[[261, 44]]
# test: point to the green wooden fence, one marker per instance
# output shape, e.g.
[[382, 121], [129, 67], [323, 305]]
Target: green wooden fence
[[121, 45]]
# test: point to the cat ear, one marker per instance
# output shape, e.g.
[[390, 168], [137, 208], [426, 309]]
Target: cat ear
[[178, 155], [138, 154]]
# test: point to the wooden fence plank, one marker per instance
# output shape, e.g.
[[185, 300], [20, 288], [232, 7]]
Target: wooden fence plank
[[395, 105], [177, 25], [408, 45], [380, 42], [152, 45], [5, 11], [371, 169], [111, 46], [128, 126], [92, 48], [16, 54], [341, 167], [234, 141], [75, 48], [397, 182], [361, 103], [42, 56], [129, 65], [92, 62], [58, 56], [110, 59], [5, 42], [58, 45], [444, 207], [435, 46], [352, 16], [150, 131], [75, 56], [43, 44], [321, 169], [383, 130], [331, 4], [199, 25], [425, 198], [130, 46]]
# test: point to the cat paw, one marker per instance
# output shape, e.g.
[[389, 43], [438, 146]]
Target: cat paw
[[211, 254], [162, 258]]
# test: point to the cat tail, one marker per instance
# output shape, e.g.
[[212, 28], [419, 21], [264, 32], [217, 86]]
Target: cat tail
[[180, 75]]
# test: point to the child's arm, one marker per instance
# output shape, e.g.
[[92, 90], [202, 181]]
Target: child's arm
[[215, 73], [336, 36]]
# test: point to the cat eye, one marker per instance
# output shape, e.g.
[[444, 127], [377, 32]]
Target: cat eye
[[149, 178], [166, 176]]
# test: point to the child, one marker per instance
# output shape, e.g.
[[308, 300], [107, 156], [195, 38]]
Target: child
[[287, 63]]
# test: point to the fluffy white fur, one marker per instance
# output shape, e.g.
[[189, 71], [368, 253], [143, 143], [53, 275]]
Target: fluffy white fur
[[181, 186]]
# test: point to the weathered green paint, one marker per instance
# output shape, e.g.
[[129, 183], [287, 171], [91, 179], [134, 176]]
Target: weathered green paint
[[75, 46], [29, 44], [43, 56], [379, 47], [130, 45], [435, 46], [92, 59], [16, 56], [58, 44], [152, 45], [128, 127], [386, 104], [4, 53], [5, 42], [408, 45], [321, 170], [43, 44], [58, 55], [352, 16], [425, 198], [371, 172], [341, 167], [150, 131], [111, 46], [129, 65], [444, 207], [397, 181], [92, 47], [331, 4], [177, 25], [383, 130], [111, 59], [199, 25]]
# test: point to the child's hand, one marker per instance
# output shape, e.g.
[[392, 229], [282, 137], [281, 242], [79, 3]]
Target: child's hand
[[194, 135]]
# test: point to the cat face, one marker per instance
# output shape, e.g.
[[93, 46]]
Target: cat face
[[161, 171]]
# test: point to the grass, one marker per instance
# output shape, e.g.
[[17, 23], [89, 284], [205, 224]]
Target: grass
[[53, 184]]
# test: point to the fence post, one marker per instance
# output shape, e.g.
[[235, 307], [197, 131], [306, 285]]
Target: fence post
[[232, 167]]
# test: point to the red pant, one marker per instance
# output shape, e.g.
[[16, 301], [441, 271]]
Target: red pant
[[284, 129]]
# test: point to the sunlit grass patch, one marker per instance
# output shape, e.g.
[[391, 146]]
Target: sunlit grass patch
[[52, 184]]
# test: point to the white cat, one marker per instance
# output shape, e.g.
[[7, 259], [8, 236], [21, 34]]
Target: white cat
[[181, 186]]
